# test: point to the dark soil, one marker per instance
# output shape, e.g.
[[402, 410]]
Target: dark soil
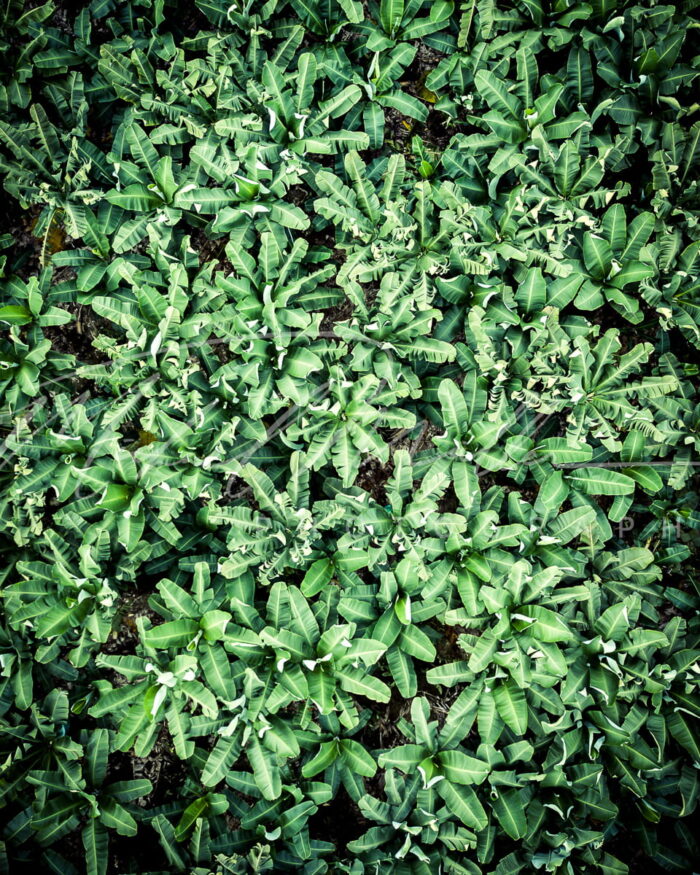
[[124, 637], [339, 821], [19, 223], [340, 313], [76, 337], [372, 477], [163, 769]]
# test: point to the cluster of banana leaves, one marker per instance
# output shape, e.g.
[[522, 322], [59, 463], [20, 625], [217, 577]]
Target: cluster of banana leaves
[[350, 434]]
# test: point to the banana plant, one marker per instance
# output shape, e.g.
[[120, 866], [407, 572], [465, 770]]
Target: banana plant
[[343, 426], [422, 235], [22, 39], [275, 358], [611, 263], [340, 757], [390, 332], [29, 365], [604, 395], [77, 792], [285, 531], [52, 168], [409, 515], [327, 666], [401, 615], [392, 22], [292, 124], [472, 434], [410, 827], [382, 91]]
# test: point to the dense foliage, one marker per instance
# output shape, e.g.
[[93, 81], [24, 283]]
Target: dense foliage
[[350, 420]]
